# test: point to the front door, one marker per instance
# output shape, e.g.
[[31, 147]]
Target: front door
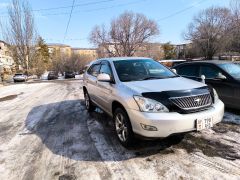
[[105, 88], [224, 87]]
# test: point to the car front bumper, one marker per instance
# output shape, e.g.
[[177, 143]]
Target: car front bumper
[[173, 122], [19, 79]]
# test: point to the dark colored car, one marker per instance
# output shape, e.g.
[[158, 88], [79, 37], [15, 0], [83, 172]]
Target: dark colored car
[[69, 75], [52, 75], [224, 76]]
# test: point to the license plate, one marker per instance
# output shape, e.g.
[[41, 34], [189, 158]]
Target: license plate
[[206, 123]]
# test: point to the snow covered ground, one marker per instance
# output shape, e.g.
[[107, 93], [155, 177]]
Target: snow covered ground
[[46, 133]]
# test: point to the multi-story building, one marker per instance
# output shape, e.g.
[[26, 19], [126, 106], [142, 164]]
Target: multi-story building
[[62, 49], [7, 65], [153, 50], [89, 52]]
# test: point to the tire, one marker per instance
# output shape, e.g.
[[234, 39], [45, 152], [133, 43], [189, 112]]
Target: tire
[[123, 127], [89, 105]]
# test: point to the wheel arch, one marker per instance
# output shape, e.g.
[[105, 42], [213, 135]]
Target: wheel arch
[[116, 104]]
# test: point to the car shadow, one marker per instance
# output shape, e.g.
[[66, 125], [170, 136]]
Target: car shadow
[[66, 129]]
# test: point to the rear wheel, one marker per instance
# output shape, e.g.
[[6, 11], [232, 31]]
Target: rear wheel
[[89, 105], [123, 127]]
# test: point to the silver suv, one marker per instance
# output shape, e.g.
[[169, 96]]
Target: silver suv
[[147, 99]]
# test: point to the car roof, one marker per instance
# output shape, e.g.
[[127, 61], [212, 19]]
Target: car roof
[[123, 58], [215, 62]]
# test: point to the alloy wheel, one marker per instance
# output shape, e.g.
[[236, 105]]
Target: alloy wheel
[[121, 127]]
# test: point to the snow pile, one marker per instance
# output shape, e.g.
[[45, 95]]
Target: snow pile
[[232, 118]]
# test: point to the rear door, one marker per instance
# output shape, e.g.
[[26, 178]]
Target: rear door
[[224, 87], [105, 88]]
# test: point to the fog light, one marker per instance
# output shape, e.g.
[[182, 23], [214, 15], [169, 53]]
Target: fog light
[[148, 128]]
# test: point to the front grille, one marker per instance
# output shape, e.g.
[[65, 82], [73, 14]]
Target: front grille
[[195, 102]]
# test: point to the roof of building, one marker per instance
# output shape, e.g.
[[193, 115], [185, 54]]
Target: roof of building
[[58, 44], [83, 48]]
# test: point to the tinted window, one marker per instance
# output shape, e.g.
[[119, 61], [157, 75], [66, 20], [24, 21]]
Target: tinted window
[[210, 72], [232, 69], [94, 69], [141, 69], [188, 70], [105, 68]]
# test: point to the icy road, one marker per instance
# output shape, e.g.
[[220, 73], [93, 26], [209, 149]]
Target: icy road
[[46, 133]]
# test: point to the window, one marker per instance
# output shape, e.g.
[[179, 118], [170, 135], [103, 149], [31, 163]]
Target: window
[[141, 69], [188, 70], [105, 68], [94, 70], [210, 72], [232, 69]]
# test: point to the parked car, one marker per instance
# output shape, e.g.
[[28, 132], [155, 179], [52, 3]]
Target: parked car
[[19, 77], [147, 99], [69, 75], [224, 76], [52, 75]]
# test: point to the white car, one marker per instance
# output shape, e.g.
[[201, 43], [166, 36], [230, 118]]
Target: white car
[[19, 77], [145, 98]]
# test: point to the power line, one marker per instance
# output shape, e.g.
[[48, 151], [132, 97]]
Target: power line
[[76, 5], [96, 9], [181, 11], [109, 7], [67, 7], [70, 16]]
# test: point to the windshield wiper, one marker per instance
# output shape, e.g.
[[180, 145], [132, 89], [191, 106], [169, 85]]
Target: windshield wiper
[[154, 77], [151, 77]]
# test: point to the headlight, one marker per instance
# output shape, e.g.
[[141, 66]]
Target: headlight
[[149, 105], [216, 97]]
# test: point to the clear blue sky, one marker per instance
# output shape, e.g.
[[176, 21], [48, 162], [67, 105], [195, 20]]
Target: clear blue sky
[[173, 16]]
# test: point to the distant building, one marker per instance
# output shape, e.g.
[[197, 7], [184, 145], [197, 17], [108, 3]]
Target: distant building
[[4, 50], [153, 50], [89, 52], [182, 50], [63, 49], [7, 65]]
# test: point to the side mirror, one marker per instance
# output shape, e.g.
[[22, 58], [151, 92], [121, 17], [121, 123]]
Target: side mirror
[[174, 70], [104, 77], [203, 77], [221, 76]]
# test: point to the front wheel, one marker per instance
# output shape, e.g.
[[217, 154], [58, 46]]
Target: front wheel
[[89, 106], [123, 127]]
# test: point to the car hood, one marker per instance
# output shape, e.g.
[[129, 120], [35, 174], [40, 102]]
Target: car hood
[[158, 85]]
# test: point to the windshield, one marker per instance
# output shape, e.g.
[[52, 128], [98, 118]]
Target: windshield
[[232, 69], [138, 70]]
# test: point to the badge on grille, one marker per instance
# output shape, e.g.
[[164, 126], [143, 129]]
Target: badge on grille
[[197, 100]]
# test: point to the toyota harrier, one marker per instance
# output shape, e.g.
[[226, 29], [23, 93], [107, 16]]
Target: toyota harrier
[[146, 98]]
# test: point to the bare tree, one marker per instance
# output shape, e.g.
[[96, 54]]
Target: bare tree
[[74, 63], [20, 33], [126, 34], [208, 31], [234, 29], [169, 51]]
